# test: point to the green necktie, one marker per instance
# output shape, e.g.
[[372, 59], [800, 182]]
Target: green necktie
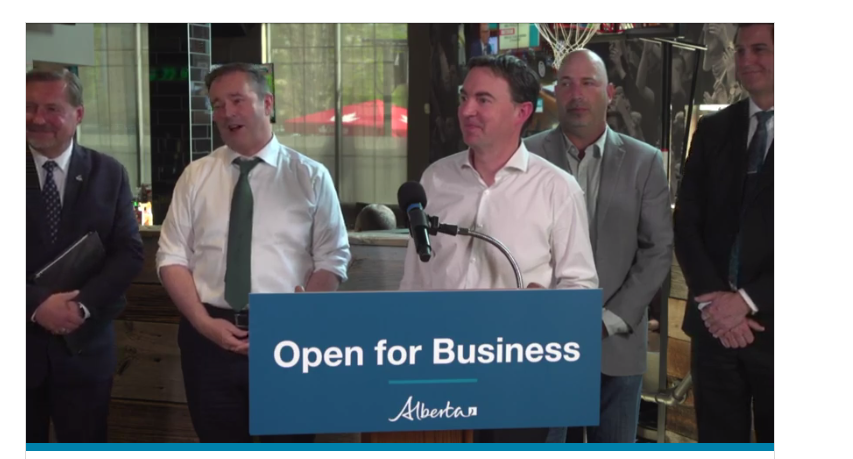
[[238, 267]]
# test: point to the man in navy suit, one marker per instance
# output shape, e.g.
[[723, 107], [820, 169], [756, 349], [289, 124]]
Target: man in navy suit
[[724, 244], [481, 47], [72, 190]]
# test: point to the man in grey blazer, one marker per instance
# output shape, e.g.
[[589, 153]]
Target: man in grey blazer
[[627, 197]]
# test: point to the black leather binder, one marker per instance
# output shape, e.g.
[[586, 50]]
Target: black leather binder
[[73, 267]]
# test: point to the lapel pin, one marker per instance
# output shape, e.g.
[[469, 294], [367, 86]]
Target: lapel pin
[[79, 178]]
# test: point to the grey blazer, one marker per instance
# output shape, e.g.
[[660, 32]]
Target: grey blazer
[[633, 229]]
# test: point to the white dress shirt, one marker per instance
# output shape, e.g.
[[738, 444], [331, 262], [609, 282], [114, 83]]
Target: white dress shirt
[[587, 171], [59, 172], [588, 174], [535, 209], [59, 177], [297, 225]]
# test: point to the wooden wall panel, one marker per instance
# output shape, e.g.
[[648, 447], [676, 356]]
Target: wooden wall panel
[[675, 318], [136, 421], [149, 303], [678, 358], [149, 366], [678, 288], [681, 419]]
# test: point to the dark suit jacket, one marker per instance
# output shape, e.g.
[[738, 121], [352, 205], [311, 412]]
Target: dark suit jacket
[[97, 198], [711, 208], [477, 48]]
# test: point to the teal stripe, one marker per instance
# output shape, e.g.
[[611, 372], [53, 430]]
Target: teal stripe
[[534, 36], [400, 447], [432, 381]]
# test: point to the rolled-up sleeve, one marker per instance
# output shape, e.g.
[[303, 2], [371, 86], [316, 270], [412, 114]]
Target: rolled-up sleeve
[[574, 264], [175, 245], [330, 250]]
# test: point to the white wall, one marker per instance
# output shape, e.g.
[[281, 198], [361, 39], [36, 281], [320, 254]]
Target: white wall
[[61, 44]]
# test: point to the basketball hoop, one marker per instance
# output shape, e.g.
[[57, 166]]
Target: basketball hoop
[[565, 38]]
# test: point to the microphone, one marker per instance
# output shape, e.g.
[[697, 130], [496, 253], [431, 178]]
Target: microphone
[[412, 199]]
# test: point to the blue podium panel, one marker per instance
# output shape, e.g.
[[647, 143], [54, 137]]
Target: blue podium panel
[[409, 361]]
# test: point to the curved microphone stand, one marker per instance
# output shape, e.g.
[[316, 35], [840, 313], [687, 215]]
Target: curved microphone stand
[[435, 227]]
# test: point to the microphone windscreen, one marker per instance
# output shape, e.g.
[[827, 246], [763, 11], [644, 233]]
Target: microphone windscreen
[[411, 193]]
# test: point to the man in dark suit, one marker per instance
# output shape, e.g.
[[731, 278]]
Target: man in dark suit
[[627, 199], [481, 47], [72, 190], [724, 244]]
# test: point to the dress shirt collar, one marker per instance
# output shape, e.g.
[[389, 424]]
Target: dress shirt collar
[[61, 160], [268, 154], [753, 108], [598, 151], [518, 160]]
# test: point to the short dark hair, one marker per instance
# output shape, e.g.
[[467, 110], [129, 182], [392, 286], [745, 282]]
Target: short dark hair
[[742, 25], [73, 86], [523, 82], [257, 76]]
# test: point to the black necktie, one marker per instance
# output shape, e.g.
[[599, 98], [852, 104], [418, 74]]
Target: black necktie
[[238, 265], [756, 152], [52, 203]]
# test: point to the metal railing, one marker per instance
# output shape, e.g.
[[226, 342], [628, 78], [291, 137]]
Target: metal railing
[[675, 395]]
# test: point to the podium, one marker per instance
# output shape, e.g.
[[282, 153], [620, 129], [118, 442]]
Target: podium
[[423, 366]]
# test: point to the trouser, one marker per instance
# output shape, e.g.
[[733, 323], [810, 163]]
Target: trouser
[[217, 388], [730, 388], [618, 418], [79, 411]]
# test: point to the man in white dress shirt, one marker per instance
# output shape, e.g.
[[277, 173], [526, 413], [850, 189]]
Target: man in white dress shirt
[[496, 186], [253, 216]]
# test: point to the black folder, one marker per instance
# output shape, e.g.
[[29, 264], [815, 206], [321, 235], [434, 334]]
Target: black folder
[[74, 267]]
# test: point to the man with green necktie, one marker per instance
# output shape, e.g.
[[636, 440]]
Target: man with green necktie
[[254, 216]]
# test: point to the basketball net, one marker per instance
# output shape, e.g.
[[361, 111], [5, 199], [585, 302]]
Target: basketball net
[[565, 38]]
